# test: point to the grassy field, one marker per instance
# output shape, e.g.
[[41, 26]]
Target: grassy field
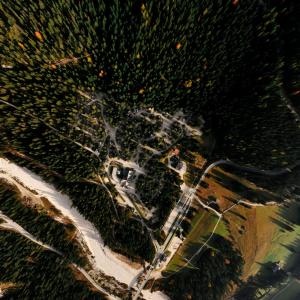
[[203, 224], [262, 233], [288, 291]]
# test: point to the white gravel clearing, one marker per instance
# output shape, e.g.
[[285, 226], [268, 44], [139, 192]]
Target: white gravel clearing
[[104, 258], [9, 224], [154, 296]]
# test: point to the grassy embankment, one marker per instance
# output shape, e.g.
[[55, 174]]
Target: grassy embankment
[[261, 233]]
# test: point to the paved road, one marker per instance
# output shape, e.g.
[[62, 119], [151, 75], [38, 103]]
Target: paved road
[[162, 249], [206, 171], [228, 162], [9, 224]]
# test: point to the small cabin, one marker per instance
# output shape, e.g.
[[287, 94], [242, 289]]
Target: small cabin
[[174, 161], [125, 173]]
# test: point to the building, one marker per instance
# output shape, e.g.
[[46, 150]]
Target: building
[[174, 161], [125, 174], [122, 173]]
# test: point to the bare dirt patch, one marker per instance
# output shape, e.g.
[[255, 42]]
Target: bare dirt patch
[[54, 212], [250, 228], [252, 232], [128, 261], [81, 278]]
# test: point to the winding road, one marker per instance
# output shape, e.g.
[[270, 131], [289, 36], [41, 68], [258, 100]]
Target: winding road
[[9, 224], [251, 169], [220, 215], [162, 249]]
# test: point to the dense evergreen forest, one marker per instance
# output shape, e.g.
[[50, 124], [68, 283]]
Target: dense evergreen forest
[[263, 282], [160, 188], [208, 277], [225, 60], [118, 230], [39, 224], [234, 63], [36, 273], [263, 131]]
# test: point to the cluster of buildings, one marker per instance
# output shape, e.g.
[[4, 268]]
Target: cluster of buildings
[[174, 160]]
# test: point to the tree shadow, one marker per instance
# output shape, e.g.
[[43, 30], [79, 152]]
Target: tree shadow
[[253, 195], [201, 280], [291, 212], [258, 286], [282, 224]]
